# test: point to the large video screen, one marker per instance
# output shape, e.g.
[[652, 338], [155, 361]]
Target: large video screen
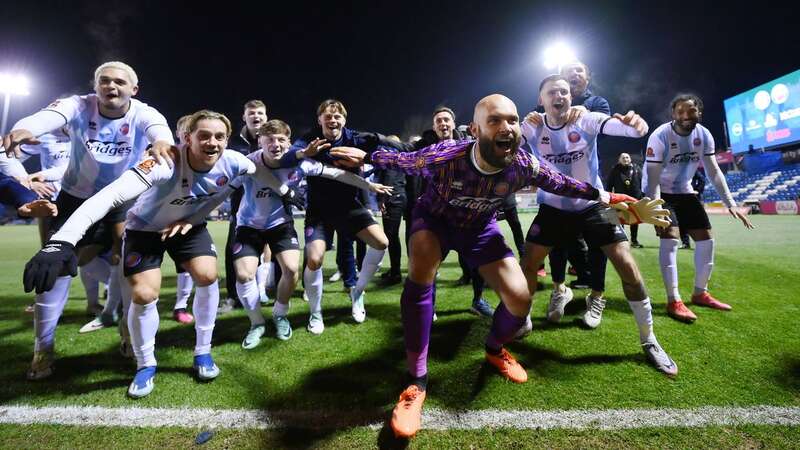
[[765, 116]]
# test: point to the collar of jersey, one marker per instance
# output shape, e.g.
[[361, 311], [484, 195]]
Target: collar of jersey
[[474, 162], [551, 128]]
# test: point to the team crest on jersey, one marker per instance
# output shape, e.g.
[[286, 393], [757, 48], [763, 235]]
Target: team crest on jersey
[[650, 151], [697, 141], [420, 162], [237, 247], [222, 181], [133, 259], [124, 129], [573, 136], [146, 166], [501, 189]]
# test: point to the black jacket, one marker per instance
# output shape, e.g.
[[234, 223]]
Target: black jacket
[[625, 180]]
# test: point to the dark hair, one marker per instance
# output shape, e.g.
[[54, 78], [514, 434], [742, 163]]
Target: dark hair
[[585, 68], [444, 109], [549, 78], [688, 97]]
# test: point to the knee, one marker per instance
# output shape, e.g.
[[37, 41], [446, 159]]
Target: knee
[[244, 275], [142, 294], [381, 243], [206, 277], [290, 272], [313, 263]]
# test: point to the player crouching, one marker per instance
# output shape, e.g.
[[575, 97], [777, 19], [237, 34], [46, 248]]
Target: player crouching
[[180, 194], [263, 219]]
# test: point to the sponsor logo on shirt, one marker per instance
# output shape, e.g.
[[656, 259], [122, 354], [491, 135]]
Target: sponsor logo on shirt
[[650, 151], [545, 140], [573, 136], [222, 181], [146, 166], [565, 158], [457, 185], [480, 204], [190, 200], [92, 125], [106, 148], [54, 104], [184, 183], [673, 145], [685, 158], [263, 193]]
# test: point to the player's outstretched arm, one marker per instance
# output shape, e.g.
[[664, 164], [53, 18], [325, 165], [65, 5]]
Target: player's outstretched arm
[[718, 180]]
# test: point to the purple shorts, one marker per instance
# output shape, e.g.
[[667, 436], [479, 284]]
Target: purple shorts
[[478, 246]]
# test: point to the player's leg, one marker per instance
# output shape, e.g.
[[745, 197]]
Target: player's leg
[[93, 270], [206, 301], [288, 260], [247, 246], [595, 303], [312, 274], [635, 292], [699, 228], [368, 231], [265, 275], [183, 290], [416, 309], [668, 259], [143, 321]]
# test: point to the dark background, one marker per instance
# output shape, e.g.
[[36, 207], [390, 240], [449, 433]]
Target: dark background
[[391, 63]]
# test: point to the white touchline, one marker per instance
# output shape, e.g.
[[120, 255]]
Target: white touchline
[[433, 419]]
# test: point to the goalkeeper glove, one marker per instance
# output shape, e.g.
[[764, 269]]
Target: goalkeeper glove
[[55, 258]]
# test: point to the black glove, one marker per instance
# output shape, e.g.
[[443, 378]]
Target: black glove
[[292, 198], [52, 260]]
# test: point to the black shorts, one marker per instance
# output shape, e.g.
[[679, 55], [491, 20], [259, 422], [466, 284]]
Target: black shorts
[[553, 227], [686, 211], [67, 204], [144, 250], [251, 241], [347, 223]]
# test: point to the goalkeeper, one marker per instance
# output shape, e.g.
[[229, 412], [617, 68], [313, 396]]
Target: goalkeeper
[[570, 146]]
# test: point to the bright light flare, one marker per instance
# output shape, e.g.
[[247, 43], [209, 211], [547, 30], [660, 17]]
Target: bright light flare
[[14, 84], [557, 55]]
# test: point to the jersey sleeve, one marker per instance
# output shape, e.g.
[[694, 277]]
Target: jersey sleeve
[[311, 168], [154, 125], [709, 145], [655, 148], [593, 122], [421, 162], [530, 134], [152, 173], [67, 107]]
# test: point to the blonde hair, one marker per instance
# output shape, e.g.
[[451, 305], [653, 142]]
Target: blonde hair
[[117, 65], [180, 125], [203, 114], [334, 104]]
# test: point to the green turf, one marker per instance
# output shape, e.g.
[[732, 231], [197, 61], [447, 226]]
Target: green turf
[[745, 357]]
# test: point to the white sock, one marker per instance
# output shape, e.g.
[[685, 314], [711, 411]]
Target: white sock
[[95, 272], [668, 258], [91, 286], [643, 313], [206, 302], [114, 293], [280, 309], [703, 264], [184, 289], [313, 280], [46, 312], [368, 267], [143, 325], [248, 295]]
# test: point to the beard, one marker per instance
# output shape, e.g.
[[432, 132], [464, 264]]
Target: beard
[[486, 147]]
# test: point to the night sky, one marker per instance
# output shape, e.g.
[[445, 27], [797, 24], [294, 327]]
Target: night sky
[[391, 63]]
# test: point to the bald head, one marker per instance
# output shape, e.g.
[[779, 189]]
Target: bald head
[[492, 103], [495, 124]]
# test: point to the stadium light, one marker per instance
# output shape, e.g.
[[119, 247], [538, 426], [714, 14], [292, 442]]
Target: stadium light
[[557, 55], [11, 85]]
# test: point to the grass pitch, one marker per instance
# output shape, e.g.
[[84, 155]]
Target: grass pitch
[[749, 356]]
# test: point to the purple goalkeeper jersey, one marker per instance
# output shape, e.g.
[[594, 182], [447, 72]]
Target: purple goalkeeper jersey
[[463, 196]]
